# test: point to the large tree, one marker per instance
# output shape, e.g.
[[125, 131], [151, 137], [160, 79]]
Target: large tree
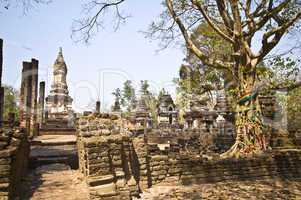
[[237, 22]]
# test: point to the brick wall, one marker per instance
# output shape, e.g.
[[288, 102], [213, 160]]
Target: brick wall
[[118, 165], [13, 161]]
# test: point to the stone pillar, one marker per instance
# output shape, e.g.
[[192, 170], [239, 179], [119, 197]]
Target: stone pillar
[[41, 102], [2, 89], [97, 110], [22, 107], [34, 96], [1, 60], [25, 97], [28, 100], [1, 105]]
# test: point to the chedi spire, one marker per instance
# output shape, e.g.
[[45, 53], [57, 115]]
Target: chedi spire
[[58, 101]]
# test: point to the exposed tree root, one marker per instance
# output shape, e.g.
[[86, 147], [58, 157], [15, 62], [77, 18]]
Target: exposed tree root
[[239, 149]]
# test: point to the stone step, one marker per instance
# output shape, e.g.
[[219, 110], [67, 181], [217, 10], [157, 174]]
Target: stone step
[[57, 131], [53, 140], [35, 162], [46, 143], [106, 190], [100, 180], [51, 149]]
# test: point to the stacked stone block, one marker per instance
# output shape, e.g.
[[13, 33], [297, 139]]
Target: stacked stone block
[[28, 97], [1, 88], [268, 105], [41, 109], [105, 158], [119, 165], [159, 168], [14, 150]]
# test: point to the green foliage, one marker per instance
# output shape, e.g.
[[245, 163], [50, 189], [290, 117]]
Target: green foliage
[[283, 71], [294, 109], [150, 99], [161, 93], [144, 87], [117, 94], [11, 97], [206, 38], [196, 79], [128, 95]]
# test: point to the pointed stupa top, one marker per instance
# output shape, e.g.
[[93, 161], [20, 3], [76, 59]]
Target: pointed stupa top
[[60, 62]]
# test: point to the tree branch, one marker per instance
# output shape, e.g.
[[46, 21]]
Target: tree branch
[[225, 15], [266, 16], [190, 44], [210, 22], [278, 32], [86, 26]]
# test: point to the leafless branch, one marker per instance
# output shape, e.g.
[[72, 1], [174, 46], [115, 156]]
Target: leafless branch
[[83, 29], [25, 5]]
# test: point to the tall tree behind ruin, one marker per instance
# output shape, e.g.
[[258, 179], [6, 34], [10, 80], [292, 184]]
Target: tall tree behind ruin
[[11, 100], [128, 95], [236, 22], [150, 99]]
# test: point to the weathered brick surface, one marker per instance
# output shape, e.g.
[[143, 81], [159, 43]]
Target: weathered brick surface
[[105, 158], [14, 150], [118, 165]]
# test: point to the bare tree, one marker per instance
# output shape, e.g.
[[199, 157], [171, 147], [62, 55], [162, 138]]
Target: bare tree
[[94, 13]]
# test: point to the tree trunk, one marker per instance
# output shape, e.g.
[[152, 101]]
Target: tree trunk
[[251, 134]]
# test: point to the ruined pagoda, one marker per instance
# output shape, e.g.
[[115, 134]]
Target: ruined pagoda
[[58, 102]]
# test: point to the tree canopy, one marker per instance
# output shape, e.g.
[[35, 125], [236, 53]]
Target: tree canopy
[[11, 98]]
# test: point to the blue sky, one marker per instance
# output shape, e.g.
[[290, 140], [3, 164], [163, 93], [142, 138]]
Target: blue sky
[[94, 69]]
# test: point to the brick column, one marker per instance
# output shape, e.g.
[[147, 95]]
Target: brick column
[[97, 110], [41, 102], [1, 60], [25, 96], [2, 89], [34, 96], [1, 105]]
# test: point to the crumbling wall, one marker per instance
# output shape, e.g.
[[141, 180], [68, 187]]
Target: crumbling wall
[[118, 165], [106, 158], [14, 151]]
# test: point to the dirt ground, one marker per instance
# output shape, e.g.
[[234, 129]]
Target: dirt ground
[[59, 182], [54, 182], [275, 189]]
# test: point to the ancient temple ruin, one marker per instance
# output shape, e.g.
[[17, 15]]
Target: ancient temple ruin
[[116, 161], [58, 102], [199, 116], [140, 117], [167, 111]]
